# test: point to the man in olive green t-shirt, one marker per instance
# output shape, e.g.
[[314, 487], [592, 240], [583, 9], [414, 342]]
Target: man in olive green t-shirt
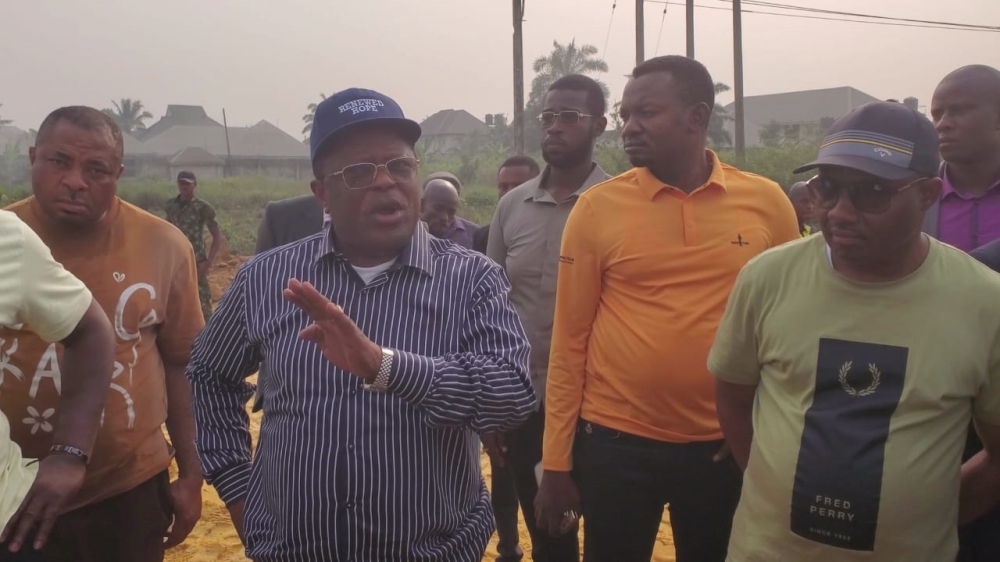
[[849, 365]]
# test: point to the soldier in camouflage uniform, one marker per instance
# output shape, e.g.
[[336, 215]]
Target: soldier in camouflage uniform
[[192, 215]]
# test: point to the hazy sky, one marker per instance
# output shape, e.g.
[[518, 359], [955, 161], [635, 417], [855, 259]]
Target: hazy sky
[[267, 59]]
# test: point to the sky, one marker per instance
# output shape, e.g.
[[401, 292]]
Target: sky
[[262, 59]]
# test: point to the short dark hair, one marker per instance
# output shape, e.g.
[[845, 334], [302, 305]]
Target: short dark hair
[[580, 83], [86, 118], [695, 84], [521, 160]]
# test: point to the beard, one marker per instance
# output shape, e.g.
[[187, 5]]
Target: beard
[[569, 158]]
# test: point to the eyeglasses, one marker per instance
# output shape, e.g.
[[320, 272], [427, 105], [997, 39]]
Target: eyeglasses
[[363, 175], [568, 117], [867, 196]]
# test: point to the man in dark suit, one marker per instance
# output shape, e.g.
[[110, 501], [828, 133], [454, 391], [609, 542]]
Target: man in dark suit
[[289, 220], [284, 222]]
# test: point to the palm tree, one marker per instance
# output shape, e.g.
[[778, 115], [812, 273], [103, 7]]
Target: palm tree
[[4, 121], [129, 114], [562, 61], [308, 117], [717, 133]]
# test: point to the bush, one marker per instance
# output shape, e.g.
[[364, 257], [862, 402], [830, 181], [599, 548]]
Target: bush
[[777, 162]]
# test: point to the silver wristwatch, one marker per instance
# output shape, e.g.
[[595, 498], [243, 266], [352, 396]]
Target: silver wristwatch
[[381, 382]]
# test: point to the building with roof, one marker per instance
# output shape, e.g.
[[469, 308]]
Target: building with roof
[[178, 115], [203, 163], [186, 138], [449, 129], [797, 113]]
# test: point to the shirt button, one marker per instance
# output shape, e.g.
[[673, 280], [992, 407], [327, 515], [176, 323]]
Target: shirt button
[[349, 506], [353, 392], [350, 447]]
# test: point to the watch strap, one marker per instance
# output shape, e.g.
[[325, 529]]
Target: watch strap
[[70, 450], [381, 382]]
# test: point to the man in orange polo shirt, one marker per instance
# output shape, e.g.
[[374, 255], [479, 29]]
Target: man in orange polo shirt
[[637, 306]]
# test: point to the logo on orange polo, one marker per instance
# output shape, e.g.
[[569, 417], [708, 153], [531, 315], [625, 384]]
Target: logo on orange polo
[[740, 241]]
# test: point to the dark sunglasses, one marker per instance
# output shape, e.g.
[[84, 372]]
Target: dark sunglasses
[[568, 117], [363, 175], [867, 196]]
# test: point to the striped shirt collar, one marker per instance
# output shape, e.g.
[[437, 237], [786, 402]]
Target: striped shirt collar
[[416, 254]]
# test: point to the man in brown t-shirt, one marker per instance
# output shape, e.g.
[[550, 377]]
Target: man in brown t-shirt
[[141, 270]]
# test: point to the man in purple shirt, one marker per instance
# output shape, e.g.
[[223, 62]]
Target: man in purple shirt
[[966, 112], [438, 208]]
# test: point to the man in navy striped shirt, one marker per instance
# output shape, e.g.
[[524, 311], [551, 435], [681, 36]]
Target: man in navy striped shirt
[[387, 351]]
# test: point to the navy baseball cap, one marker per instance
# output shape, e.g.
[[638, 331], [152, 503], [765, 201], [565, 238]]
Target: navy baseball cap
[[186, 177], [885, 139], [349, 108]]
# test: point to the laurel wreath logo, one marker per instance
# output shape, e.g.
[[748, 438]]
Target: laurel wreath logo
[[867, 391]]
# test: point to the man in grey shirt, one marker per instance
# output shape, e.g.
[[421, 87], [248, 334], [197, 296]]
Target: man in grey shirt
[[525, 237]]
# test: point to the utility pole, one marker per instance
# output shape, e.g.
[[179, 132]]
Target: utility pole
[[518, 78], [740, 140], [690, 29], [640, 32], [227, 170]]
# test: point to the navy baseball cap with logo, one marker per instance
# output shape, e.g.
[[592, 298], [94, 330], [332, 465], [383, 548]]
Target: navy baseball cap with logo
[[347, 109], [885, 139]]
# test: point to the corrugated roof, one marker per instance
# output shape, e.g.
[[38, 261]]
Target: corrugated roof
[[133, 145], [452, 122], [262, 140], [179, 115], [194, 156]]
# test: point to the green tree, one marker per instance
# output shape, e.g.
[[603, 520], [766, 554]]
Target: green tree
[[501, 133], [4, 121], [609, 151], [562, 61], [772, 135], [718, 135], [129, 114], [776, 162], [310, 115], [13, 166]]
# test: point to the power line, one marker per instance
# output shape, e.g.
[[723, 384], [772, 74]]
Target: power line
[[614, 4], [941, 25], [765, 4], [659, 34]]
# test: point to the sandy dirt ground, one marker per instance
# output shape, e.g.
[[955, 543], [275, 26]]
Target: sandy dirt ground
[[215, 540]]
